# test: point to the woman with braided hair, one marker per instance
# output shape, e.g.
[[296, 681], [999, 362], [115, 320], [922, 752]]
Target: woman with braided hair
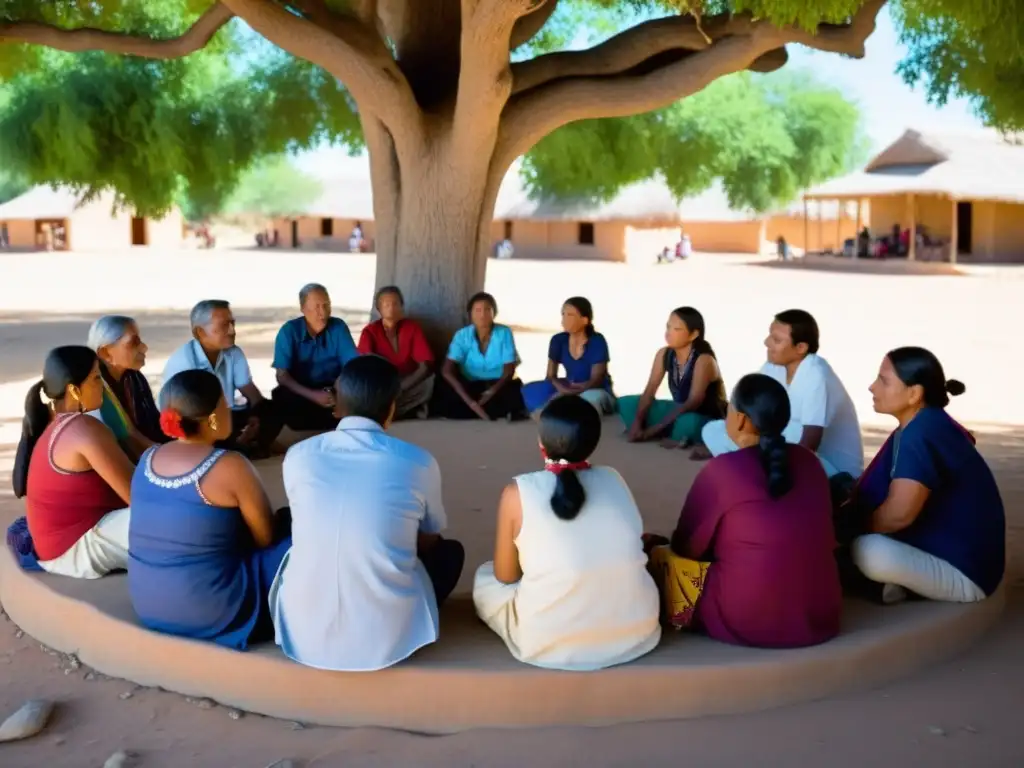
[[751, 560], [204, 542]]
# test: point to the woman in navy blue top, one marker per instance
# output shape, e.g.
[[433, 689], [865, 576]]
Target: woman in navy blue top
[[936, 520], [583, 353]]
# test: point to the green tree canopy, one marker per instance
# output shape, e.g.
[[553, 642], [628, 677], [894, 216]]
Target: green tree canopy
[[146, 96], [765, 137]]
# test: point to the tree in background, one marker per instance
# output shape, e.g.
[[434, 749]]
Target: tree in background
[[272, 186], [765, 137], [432, 85]]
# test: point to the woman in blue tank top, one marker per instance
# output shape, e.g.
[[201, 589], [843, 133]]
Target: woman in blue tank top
[[204, 543]]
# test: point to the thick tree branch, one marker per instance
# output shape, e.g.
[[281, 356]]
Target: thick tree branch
[[87, 39], [348, 49], [530, 25], [485, 80], [533, 114]]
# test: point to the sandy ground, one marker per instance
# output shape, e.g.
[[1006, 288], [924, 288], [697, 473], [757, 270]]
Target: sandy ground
[[965, 711]]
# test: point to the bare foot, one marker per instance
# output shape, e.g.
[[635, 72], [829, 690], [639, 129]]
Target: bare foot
[[670, 444], [700, 453]]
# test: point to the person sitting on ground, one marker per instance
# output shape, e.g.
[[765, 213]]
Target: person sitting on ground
[[72, 473], [309, 353], [368, 568], [698, 394], [583, 353], [400, 340], [824, 418], [204, 541], [254, 425], [929, 506], [751, 560], [568, 587], [479, 375], [128, 407]]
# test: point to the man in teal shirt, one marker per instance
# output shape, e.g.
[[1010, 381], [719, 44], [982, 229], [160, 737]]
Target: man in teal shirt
[[309, 353]]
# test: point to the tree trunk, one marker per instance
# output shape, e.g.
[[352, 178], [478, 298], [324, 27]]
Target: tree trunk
[[433, 221]]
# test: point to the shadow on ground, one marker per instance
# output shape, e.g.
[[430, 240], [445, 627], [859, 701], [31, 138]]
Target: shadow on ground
[[894, 267]]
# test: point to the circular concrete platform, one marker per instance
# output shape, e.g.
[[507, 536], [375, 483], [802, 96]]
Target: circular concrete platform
[[468, 680]]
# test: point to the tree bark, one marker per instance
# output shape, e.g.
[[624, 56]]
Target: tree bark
[[433, 227]]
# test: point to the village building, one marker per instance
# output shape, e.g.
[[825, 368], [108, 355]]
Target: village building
[[48, 218], [962, 195], [635, 225]]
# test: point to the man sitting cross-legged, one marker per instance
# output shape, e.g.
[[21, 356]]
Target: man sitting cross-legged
[[823, 416], [361, 586], [254, 424]]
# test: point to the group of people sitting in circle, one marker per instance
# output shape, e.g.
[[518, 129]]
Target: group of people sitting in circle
[[350, 576]]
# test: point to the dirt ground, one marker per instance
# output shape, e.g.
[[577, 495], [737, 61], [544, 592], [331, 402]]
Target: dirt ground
[[964, 711]]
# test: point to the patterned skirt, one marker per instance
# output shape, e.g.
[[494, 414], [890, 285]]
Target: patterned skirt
[[680, 584]]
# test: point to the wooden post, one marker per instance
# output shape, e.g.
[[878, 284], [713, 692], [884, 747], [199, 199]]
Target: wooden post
[[912, 223], [856, 234], [821, 230], [840, 204], [807, 242], [954, 235]]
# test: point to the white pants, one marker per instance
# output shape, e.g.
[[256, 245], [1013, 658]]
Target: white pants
[[102, 549], [718, 441], [884, 559], [601, 399]]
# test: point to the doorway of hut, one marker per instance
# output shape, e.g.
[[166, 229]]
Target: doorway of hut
[[139, 233]]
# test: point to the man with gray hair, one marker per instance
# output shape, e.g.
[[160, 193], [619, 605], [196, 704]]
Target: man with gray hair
[[254, 424], [309, 353]]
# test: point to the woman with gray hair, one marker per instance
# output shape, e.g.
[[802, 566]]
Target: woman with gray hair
[[128, 405]]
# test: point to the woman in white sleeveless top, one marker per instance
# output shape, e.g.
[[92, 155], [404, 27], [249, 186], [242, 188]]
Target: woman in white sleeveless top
[[568, 587]]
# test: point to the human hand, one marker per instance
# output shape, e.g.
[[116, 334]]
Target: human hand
[[635, 432], [248, 434], [324, 398], [478, 409], [486, 397]]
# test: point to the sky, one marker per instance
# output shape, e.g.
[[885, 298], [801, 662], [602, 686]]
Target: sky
[[888, 104]]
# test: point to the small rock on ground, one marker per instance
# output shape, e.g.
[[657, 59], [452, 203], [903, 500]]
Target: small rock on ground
[[934, 730], [234, 714], [126, 695], [295, 725], [19, 634], [283, 764], [206, 704], [119, 759], [29, 720]]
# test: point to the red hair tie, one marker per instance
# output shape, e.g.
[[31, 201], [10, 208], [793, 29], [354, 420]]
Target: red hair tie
[[170, 423], [558, 467]]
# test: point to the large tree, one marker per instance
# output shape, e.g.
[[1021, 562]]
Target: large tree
[[433, 87]]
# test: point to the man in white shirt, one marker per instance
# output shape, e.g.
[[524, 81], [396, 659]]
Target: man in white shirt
[[254, 424], [360, 588], [823, 416]]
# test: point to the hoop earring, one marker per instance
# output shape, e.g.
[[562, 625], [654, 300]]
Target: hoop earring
[[213, 421]]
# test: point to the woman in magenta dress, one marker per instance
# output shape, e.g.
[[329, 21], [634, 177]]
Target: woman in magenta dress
[[751, 560]]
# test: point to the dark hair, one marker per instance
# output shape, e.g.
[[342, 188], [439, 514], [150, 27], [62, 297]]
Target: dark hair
[[695, 322], [368, 387], [570, 429], [918, 367], [388, 289], [481, 296], [764, 401], [584, 307], [803, 328], [193, 395], [63, 366]]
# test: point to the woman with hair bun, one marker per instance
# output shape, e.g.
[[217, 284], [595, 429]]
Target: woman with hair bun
[[72, 473], [204, 541], [751, 560], [568, 587], [928, 501]]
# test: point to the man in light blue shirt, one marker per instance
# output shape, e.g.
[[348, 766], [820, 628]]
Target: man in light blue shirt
[[254, 424], [360, 588]]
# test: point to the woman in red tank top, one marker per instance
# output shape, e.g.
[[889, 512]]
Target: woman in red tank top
[[73, 475]]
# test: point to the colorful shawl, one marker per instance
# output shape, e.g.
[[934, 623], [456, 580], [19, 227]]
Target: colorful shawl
[[134, 407]]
